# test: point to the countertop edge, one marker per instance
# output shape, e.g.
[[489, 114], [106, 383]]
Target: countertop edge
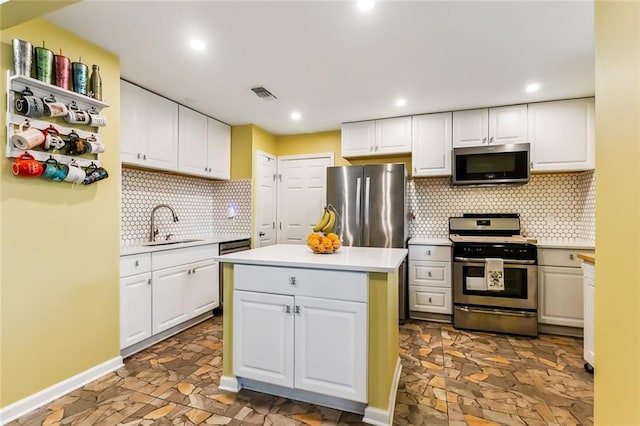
[[285, 264], [429, 241], [131, 250], [587, 257]]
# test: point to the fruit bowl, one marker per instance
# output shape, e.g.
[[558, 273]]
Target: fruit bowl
[[324, 244]]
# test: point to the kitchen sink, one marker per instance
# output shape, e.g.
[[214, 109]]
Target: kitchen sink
[[169, 242]]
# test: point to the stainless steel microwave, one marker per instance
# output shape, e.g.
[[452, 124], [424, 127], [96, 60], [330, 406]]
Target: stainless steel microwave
[[491, 164]]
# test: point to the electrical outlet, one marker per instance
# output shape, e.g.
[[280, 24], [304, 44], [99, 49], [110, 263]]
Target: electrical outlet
[[551, 221]]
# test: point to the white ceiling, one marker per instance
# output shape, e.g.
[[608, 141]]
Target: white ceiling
[[333, 63]]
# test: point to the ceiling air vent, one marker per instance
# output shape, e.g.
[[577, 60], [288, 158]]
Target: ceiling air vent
[[263, 93]]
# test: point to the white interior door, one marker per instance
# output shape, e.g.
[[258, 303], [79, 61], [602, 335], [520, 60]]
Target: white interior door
[[265, 200], [302, 193]]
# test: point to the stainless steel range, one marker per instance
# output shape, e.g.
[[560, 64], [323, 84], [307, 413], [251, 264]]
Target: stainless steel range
[[495, 274]]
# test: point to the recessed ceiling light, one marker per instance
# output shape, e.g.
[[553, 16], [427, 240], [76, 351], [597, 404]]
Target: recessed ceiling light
[[533, 87], [196, 44], [365, 4], [296, 115], [401, 102]]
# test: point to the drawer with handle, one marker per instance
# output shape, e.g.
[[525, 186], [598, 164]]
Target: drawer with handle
[[438, 253], [341, 285], [430, 273], [560, 257], [430, 299], [135, 264]]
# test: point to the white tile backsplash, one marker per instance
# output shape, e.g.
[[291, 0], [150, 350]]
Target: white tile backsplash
[[200, 204], [558, 206]]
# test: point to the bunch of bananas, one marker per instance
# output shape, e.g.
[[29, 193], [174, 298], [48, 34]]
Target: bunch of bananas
[[327, 221], [328, 241]]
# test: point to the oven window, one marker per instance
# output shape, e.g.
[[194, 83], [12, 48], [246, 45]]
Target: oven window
[[515, 283]]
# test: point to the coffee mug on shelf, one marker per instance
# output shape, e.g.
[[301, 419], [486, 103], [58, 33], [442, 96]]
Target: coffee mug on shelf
[[76, 116], [53, 108], [26, 166], [74, 173], [75, 145], [30, 105], [96, 119], [27, 137], [93, 146], [94, 174], [52, 171], [52, 139]]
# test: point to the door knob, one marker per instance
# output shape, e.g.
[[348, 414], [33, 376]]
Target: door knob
[[260, 234]]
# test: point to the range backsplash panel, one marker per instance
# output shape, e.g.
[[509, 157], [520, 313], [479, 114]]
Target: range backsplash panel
[[557, 206], [202, 206]]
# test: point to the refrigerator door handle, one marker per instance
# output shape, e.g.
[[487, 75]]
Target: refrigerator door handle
[[358, 201], [367, 228]]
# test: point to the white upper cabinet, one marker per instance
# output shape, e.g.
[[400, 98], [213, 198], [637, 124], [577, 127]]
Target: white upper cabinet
[[358, 139], [393, 136], [193, 142], [205, 145], [562, 135], [149, 129], [431, 142], [487, 126], [219, 149], [377, 137]]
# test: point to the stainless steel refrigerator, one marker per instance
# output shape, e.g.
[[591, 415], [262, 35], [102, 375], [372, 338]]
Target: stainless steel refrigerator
[[371, 205]]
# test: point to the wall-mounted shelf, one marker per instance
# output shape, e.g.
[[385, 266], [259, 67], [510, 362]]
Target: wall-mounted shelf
[[17, 84]]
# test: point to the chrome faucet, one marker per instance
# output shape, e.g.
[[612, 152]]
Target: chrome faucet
[[154, 231]]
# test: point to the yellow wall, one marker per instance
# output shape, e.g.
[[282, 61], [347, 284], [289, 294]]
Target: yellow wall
[[617, 299], [241, 152], [59, 249]]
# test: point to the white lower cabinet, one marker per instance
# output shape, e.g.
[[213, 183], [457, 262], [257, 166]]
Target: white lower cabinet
[[589, 271], [560, 287], [560, 296], [164, 289], [430, 279], [298, 340], [135, 309]]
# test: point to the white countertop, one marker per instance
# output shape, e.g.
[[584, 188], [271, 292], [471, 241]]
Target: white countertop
[[208, 239], [566, 244], [361, 259], [430, 241]]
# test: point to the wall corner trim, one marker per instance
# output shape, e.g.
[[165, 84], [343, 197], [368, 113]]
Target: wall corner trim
[[30, 403], [377, 416]]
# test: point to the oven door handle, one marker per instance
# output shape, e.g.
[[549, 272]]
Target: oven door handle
[[521, 314], [506, 261]]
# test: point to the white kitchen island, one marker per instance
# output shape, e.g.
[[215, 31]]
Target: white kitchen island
[[315, 328]]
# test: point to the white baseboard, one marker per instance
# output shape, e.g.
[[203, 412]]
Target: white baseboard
[[30, 403], [379, 417], [230, 384]]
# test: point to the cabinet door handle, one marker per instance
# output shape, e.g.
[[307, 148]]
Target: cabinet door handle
[[491, 139], [144, 157], [193, 271], [139, 156], [429, 273], [188, 271], [571, 256], [137, 263], [429, 300], [149, 281], [292, 280], [371, 148], [376, 148], [428, 252], [287, 309], [296, 310], [484, 140]]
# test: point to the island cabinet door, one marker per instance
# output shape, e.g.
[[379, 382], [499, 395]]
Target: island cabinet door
[[331, 347], [263, 337]]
